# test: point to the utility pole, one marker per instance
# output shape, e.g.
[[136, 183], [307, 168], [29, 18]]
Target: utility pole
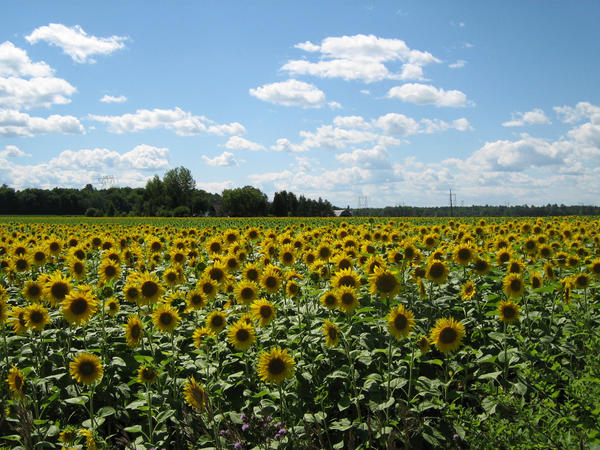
[[452, 198]]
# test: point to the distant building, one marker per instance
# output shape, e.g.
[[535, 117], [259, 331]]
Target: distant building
[[342, 212]]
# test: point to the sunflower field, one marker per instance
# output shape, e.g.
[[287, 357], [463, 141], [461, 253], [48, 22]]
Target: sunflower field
[[292, 333]]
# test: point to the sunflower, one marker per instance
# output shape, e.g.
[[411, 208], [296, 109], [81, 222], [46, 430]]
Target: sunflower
[[172, 276], [345, 277], [68, 435], [347, 299], [513, 285], [515, 266], [536, 281], [216, 321], [447, 334], [147, 375], [195, 300], [342, 261], [78, 307], [324, 251], [36, 317], [195, 395], [56, 288], [20, 264], [134, 330], [329, 300], [131, 291], [436, 271], [332, 334], [39, 256], [292, 288], [19, 321], [86, 368], [251, 272], [270, 280], [165, 318], [549, 271], [463, 254], [54, 245], [32, 290], [200, 335], [241, 335], [275, 365], [112, 306], [468, 290], [384, 282], [108, 270], [508, 311], [503, 256], [208, 287], [423, 343], [77, 268], [374, 262], [232, 262], [246, 292], [594, 267], [581, 280], [16, 381], [3, 311], [481, 266], [400, 322], [150, 288], [264, 311]]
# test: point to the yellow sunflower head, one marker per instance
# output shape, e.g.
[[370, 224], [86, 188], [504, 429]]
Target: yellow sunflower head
[[263, 311], [423, 343], [436, 271], [216, 321], [165, 318], [32, 290], [384, 282], [400, 322], [329, 300], [56, 288], [275, 365], [36, 317], [513, 285], [16, 382], [468, 290], [241, 335], [134, 331], [332, 334], [149, 288], [86, 368], [246, 292], [270, 280], [195, 395], [508, 311], [201, 335], [292, 288], [447, 334], [79, 307], [347, 299], [147, 374]]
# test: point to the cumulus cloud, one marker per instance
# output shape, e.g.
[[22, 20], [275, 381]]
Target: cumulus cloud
[[225, 159], [423, 94], [239, 143], [141, 157], [14, 62], [284, 145], [75, 42], [373, 158], [360, 57], [458, 64], [534, 117], [12, 151], [181, 122], [331, 137], [15, 123], [401, 125], [351, 122], [112, 99], [290, 93], [583, 110]]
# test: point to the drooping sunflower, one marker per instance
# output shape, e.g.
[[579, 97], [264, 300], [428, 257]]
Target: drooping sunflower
[[329, 299], [263, 311], [384, 282], [147, 374], [581, 280], [594, 268], [195, 395], [447, 334], [246, 292], [56, 288], [241, 335], [86, 368], [468, 290], [200, 335], [216, 321], [165, 318], [292, 288], [332, 333], [508, 311], [134, 330], [32, 290], [270, 280], [347, 299], [275, 365], [19, 321], [79, 306], [423, 343], [436, 271], [513, 285], [36, 317], [150, 288], [481, 266], [400, 322], [536, 281], [108, 270], [16, 381]]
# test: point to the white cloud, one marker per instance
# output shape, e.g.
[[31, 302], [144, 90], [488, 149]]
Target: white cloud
[[284, 145], [583, 110], [423, 94], [111, 99], [181, 122], [12, 151], [397, 124], [351, 122], [75, 42], [225, 159], [333, 138], [374, 158], [334, 105], [215, 186], [239, 143], [365, 91], [458, 64], [15, 62], [290, 93], [360, 57], [16, 93], [534, 117], [141, 157], [14, 123]]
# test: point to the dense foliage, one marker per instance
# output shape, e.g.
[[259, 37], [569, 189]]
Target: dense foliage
[[290, 333]]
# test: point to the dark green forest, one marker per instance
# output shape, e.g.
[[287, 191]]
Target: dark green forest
[[175, 195]]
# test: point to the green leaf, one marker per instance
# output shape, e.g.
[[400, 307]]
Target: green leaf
[[81, 400], [164, 416], [261, 394], [136, 404], [118, 361], [341, 425], [106, 411], [490, 375], [134, 429]]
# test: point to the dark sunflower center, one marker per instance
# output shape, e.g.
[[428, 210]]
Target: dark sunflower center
[[21, 319], [293, 288], [135, 331], [39, 256], [149, 289], [324, 253], [33, 290], [132, 292], [271, 282], [79, 306], [54, 247], [18, 383], [171, 277], [332, 333], [469, 289], [215, 247], [247, 293], [156, 246], [448, 335], [330, 300], [252, 274], [242, 335], [78, 268], [409, 252], [216, 274], [166, 318], [112, 306], [514, 268], [276, 366], [535, 283], [179, 258], [515, 285], [509, 312], [504, 257], [217, 321], [110, 271], [288, 257], [59, 290], [386, 283], [36, 317], [87, 368], [265, 311], [419, 272], [347, 280], [464, 254], [207, 288], [347, 298], [21, 264], [437, 270], [197, 299], [400, 322], [79, 254], [148, 374]]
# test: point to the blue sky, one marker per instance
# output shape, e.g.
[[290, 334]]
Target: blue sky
[[395, 101]]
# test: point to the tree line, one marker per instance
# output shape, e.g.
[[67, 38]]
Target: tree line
[[175, 195], [480, 211]]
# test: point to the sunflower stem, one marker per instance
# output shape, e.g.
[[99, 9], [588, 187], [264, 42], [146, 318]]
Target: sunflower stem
[[5, 346], [410, 371], [389, 374], [505, 353], [149, 400], [91, 399]]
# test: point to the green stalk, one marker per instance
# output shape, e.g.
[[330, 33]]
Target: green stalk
[[91, 398], [410, 371], [505, 354], [149, 397]]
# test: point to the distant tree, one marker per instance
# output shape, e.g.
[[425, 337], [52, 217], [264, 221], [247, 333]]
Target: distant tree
[[179, 187], [244, 202]]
